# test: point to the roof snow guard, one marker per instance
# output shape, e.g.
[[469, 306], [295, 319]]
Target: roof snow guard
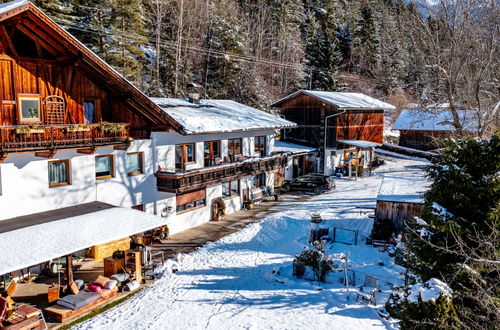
[[342, 101], [216, 116], [88, 59]]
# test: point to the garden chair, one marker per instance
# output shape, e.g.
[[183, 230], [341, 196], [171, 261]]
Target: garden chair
[[367, 292]]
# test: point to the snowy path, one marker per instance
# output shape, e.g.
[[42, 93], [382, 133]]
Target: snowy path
[[230, 284]]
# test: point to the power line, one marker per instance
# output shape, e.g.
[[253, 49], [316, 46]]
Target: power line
[[248, 58]]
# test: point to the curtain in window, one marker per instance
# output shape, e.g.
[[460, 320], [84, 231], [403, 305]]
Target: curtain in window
[[89, 112], [57, 173]]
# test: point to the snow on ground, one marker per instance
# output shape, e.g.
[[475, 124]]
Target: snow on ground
[[244, 281]]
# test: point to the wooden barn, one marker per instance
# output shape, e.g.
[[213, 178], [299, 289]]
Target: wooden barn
[[55, 93], [425, 129], [400, 197], [324, 118]]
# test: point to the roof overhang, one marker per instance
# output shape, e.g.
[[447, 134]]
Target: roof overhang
[[333, 104], [89, 60], [360, 143], [41, 242]]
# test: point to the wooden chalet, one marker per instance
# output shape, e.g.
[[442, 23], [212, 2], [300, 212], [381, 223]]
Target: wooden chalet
[[349, 116], [426, 129], [55, 93]]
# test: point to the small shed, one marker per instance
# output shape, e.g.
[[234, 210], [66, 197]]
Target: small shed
[[401, 196], [424, 129]]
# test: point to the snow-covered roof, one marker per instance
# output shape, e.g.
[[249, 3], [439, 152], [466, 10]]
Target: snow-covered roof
[[360, 143], [434, 120], [32, 245], [343, 100], [5, 7], [404, 187], [291, 148], [214, 116]]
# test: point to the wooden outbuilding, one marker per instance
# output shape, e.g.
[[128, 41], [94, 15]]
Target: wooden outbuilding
[[401, 197], [426, 129], [324, 118]]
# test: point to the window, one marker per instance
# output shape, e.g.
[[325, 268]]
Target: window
[[59, 173], [191, 201], [259, 180], [184, 154], [260, 146], [29, 109], [234, 147], [104, 167], [134, 163], [211, 150], [230, 189], [89, 112], [190, 205]]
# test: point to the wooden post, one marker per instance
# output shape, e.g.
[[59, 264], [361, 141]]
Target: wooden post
[[69, 269]]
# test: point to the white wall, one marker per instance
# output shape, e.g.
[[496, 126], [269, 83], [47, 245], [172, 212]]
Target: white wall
[[25, 187], [165, 145]]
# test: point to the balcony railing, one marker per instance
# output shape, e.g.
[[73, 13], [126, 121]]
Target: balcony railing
[[200, 178], [43, 137]]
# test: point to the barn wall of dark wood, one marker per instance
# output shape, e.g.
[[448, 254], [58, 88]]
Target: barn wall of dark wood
[[397, 213], [422, 140], [310, 113]]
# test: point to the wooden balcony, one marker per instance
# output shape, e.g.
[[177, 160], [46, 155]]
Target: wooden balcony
[[198, 179], [53, 137]]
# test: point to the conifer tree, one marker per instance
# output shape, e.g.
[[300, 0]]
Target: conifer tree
[[322, 49], [459, 238], [367, 40], [226, 40]]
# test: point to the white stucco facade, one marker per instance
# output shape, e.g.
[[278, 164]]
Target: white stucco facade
[[24, 179]]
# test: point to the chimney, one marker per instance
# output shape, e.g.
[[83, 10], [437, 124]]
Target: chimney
[[194, 92]]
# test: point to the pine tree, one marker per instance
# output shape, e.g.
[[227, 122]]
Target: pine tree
[[367, 40], [322, 47], [459, 239], [226, 40]]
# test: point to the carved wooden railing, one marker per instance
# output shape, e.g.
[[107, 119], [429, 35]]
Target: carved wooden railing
[[43, 137], [197, 179]]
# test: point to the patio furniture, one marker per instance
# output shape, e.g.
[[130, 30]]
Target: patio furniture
[[367, 292]]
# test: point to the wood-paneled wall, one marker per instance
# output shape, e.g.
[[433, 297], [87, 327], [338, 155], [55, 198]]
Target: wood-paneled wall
[[310, 113]]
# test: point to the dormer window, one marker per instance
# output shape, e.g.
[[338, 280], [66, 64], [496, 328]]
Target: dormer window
[[29, 109]]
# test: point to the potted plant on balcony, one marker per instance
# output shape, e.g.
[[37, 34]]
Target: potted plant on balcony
[[219, 209], [26, 129], [107, 127], [77, 128], [248, 203]]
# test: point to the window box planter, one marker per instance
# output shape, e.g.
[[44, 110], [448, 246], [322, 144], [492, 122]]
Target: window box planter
[[30, 130]]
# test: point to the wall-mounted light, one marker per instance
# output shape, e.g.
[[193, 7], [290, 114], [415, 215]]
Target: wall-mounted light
[[166, 211]]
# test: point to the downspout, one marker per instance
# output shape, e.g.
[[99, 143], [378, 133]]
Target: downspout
[[155, 166], [326, 131]]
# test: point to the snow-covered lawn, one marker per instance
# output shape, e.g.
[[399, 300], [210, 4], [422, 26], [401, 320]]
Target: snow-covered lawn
[[244, 281]]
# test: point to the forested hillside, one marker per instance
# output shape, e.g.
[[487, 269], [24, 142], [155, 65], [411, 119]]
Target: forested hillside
[[256, 51]]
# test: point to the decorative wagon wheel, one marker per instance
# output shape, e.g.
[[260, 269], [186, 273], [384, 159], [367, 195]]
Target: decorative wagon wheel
[[55, 109]]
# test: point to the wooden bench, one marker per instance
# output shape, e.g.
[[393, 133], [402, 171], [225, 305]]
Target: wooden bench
[[62, 314]]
